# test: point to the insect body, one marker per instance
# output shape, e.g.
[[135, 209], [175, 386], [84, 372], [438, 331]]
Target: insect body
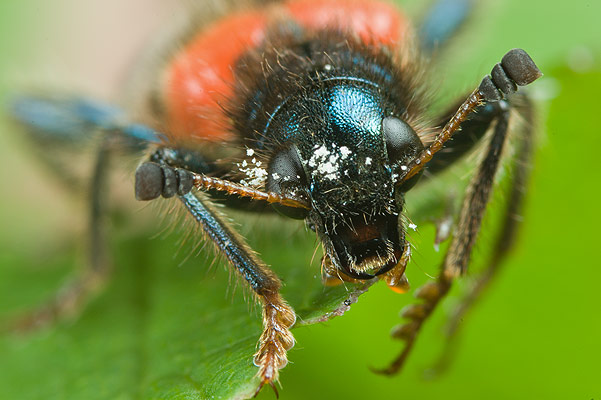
[[318, 108]]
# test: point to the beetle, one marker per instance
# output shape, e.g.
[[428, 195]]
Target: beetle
[[317, 108]]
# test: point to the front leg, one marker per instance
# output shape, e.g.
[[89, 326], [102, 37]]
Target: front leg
[[278, 316], [516, 69], [506, 235], [459, 252], [160, 179], [276, 339]]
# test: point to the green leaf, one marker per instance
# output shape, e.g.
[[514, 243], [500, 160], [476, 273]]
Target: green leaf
[[160, 330]]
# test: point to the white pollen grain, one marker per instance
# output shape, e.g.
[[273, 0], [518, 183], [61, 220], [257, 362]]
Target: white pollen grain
[[345, 152], [321, 151], [325, 163]]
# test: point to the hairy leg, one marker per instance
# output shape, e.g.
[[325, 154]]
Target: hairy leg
[[278, 316], [458, 255], [506, 236], [516, 69], [163, 178]]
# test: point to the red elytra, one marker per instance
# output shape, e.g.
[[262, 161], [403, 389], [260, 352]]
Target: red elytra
[[199, 80]]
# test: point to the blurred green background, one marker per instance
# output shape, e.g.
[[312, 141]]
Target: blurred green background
[[536, 334]]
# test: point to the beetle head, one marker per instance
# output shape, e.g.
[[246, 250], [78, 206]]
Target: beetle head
[[346, 163]]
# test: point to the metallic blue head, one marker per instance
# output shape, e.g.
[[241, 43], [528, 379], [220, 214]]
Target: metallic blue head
[[342, 152]]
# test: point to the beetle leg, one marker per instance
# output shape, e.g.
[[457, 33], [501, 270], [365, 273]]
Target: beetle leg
[[276, 339], [158, 178], [458, 254], [71, 298], [516, 69], [278, 316], [69, 119], [442, 21], [506, 237]]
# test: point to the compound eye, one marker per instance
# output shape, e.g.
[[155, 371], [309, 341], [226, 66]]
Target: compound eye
[[286, 176], [402, 145]]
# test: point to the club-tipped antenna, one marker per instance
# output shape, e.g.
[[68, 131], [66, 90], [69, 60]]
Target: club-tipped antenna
[[155, 180], [515, 69]]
